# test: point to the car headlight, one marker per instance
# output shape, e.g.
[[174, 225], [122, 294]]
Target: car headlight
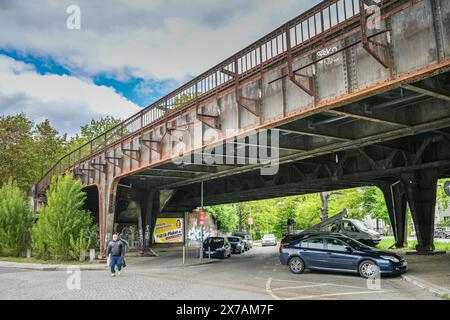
[[390, 258]]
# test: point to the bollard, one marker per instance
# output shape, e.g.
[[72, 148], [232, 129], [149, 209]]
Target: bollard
[[92, 255], [209, 253]]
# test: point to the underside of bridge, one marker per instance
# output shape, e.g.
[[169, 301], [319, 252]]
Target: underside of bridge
[[345, 148], [330, 100]]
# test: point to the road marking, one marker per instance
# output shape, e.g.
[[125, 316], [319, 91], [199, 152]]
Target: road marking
[[335, 294], [300, 287], [321, 283], [269, 290]]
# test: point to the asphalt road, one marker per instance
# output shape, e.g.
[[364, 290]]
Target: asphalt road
[[254, 275]]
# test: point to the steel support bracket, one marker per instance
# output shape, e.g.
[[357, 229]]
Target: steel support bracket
[[209, 120], [151, 144], [254, 108], [311, 90], [366, 41]]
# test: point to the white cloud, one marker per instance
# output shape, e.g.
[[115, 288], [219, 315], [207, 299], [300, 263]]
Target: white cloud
[[152, 39], [66, 101]]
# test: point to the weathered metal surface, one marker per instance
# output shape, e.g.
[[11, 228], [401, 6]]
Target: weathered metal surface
[[318, 62]]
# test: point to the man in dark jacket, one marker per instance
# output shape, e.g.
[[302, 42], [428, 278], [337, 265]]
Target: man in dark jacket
[[115, 251]]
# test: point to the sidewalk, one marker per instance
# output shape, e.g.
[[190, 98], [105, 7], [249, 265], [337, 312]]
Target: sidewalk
[[168, 258], [431, 273], [52, 267]]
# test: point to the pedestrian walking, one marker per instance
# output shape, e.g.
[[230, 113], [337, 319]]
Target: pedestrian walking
[[115, 252]]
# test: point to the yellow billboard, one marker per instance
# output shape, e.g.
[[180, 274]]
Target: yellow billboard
[[169, 230]]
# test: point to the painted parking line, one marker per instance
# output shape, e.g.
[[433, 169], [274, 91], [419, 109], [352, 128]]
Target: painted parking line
[[314, 283], [327, 295], [299, 287], [309, 284]]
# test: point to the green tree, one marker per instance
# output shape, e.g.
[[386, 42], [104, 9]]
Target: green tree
[[49, 147], [93, 130], [225, 216], [443, 201], [374, 204], [17, 158], [15, 220], [62, 221]]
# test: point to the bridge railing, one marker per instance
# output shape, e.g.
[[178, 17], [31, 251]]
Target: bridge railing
[[323, 18]]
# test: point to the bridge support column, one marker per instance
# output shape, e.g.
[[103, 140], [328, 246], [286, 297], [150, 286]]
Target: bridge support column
[[421, 193], [107, 207], [152, 208], [396, 202]]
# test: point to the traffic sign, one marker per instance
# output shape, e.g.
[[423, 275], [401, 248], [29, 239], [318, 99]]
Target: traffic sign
[[201, 218], [250, 221]]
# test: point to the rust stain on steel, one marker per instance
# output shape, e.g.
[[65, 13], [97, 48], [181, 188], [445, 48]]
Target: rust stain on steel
[[334, 103], [342, 29]]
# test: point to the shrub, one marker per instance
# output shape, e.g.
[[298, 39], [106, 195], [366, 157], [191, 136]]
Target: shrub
[[15, 220], [62, 223]]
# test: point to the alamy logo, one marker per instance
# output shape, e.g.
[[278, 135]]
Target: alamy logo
[[255, 148], [374, 21], [74, 280], [73, 22]]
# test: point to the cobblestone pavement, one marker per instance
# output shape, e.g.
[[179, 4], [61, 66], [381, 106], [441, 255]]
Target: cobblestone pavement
[[254, 275]]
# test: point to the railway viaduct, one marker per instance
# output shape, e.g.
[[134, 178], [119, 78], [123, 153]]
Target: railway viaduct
[[350, 93]]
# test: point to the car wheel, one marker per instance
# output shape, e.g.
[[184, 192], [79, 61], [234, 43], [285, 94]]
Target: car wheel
[[368, 269], [296, 265]]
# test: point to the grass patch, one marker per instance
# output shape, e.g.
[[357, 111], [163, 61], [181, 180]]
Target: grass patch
[[386, 244], [39, 261]]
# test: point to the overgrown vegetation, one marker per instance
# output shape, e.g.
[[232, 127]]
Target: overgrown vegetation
[[15, 220], [63, 228]]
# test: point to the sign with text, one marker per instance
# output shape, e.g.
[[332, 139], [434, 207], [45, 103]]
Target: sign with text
[[201, 218], [169, 230], [250, 221]]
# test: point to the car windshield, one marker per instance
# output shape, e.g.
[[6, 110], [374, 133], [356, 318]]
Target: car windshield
[[269, 236], [234, 239], [215, 243], [356, 244], [361, 226]]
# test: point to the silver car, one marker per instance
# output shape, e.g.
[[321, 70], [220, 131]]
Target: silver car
[[269, 240]]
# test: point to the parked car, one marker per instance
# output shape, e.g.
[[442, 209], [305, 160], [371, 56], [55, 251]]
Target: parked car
[[217, 247], [288, 239], [237, 245], [269, 240], [439, 233], [357, 230], [447, 232], [248, 243], [337, 252]]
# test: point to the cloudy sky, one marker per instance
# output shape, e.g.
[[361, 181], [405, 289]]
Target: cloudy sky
[[126, 55]]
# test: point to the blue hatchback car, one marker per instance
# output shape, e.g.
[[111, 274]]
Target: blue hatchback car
[[336, 252]]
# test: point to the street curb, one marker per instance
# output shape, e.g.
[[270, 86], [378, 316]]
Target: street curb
[[434, 289], [51, 267]]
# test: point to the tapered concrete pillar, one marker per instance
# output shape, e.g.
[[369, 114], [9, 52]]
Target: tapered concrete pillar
[[150, 214], [396, 202], [421, 194]]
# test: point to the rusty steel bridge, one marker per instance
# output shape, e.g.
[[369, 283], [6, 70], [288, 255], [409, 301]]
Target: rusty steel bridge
[[350, 93]]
